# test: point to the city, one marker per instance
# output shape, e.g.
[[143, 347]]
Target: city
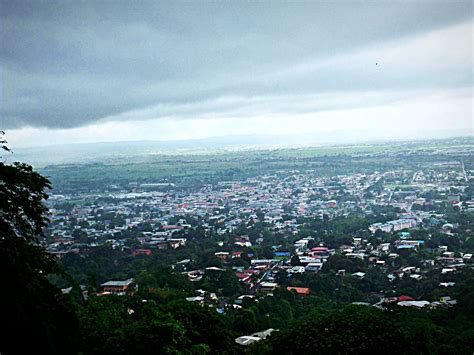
[[382, 239], [236, 177]]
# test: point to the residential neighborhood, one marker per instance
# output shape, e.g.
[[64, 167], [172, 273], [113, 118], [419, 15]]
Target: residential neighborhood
[[274, 232]]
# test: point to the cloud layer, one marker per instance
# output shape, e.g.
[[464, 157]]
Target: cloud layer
[[66, 65]]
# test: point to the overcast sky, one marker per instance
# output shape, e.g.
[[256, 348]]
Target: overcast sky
[[84, 71]]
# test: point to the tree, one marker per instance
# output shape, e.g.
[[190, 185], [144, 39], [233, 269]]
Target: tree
[[22, 192], [203, 325], [267, 252], [295, 260], [31, 304], [80, 236], [244, 321], [354, 329], [222, 282]]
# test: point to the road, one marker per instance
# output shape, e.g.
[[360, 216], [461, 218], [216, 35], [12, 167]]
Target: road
[[464, 171], [262, 279], [408, 209]]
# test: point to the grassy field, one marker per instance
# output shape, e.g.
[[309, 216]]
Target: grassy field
[[190, 169]]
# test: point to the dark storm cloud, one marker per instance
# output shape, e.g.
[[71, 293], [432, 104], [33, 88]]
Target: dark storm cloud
[[68, 64]]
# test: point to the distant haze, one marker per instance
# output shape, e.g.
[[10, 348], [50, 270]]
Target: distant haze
[[133, 151], [102, 71]]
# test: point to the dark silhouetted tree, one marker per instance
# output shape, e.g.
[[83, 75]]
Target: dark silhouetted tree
[[32, 308]]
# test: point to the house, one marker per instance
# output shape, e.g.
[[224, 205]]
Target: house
[[263, 261], [404, 298], [243, 277], [446, 270], [417, 304], [176, 242], [282, 254], [195, 275], [320, 250], [447, 284], [447, 301], [240, 299], [302, 291], [119, 288], [236, 254], [243, 244], [448, 254], [409, 269], [406, 244], [268, 286], [198, 299], [297, 270], [222, 255], [393, 226], [331, 204], [249, 339], [136, 252], [314, 267]]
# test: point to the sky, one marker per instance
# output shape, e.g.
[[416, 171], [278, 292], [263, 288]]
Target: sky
[[97, 71]]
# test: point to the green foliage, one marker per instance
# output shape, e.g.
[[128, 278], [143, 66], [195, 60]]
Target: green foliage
[[204, 326], [340, 262], [22, 192], [223, 283], [31, 304], [352, 329], [158, 320], [120, 325]]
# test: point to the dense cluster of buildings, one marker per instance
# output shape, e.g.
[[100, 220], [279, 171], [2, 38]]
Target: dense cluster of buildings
[[146, 220], [395, 225]]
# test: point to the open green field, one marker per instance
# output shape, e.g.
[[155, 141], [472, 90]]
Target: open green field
[[187, 170]]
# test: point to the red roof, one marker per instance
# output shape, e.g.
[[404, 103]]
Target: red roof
[[405, 298], [252, 271], [242, 276], [320, 249], [141, 252], [300, 290]]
